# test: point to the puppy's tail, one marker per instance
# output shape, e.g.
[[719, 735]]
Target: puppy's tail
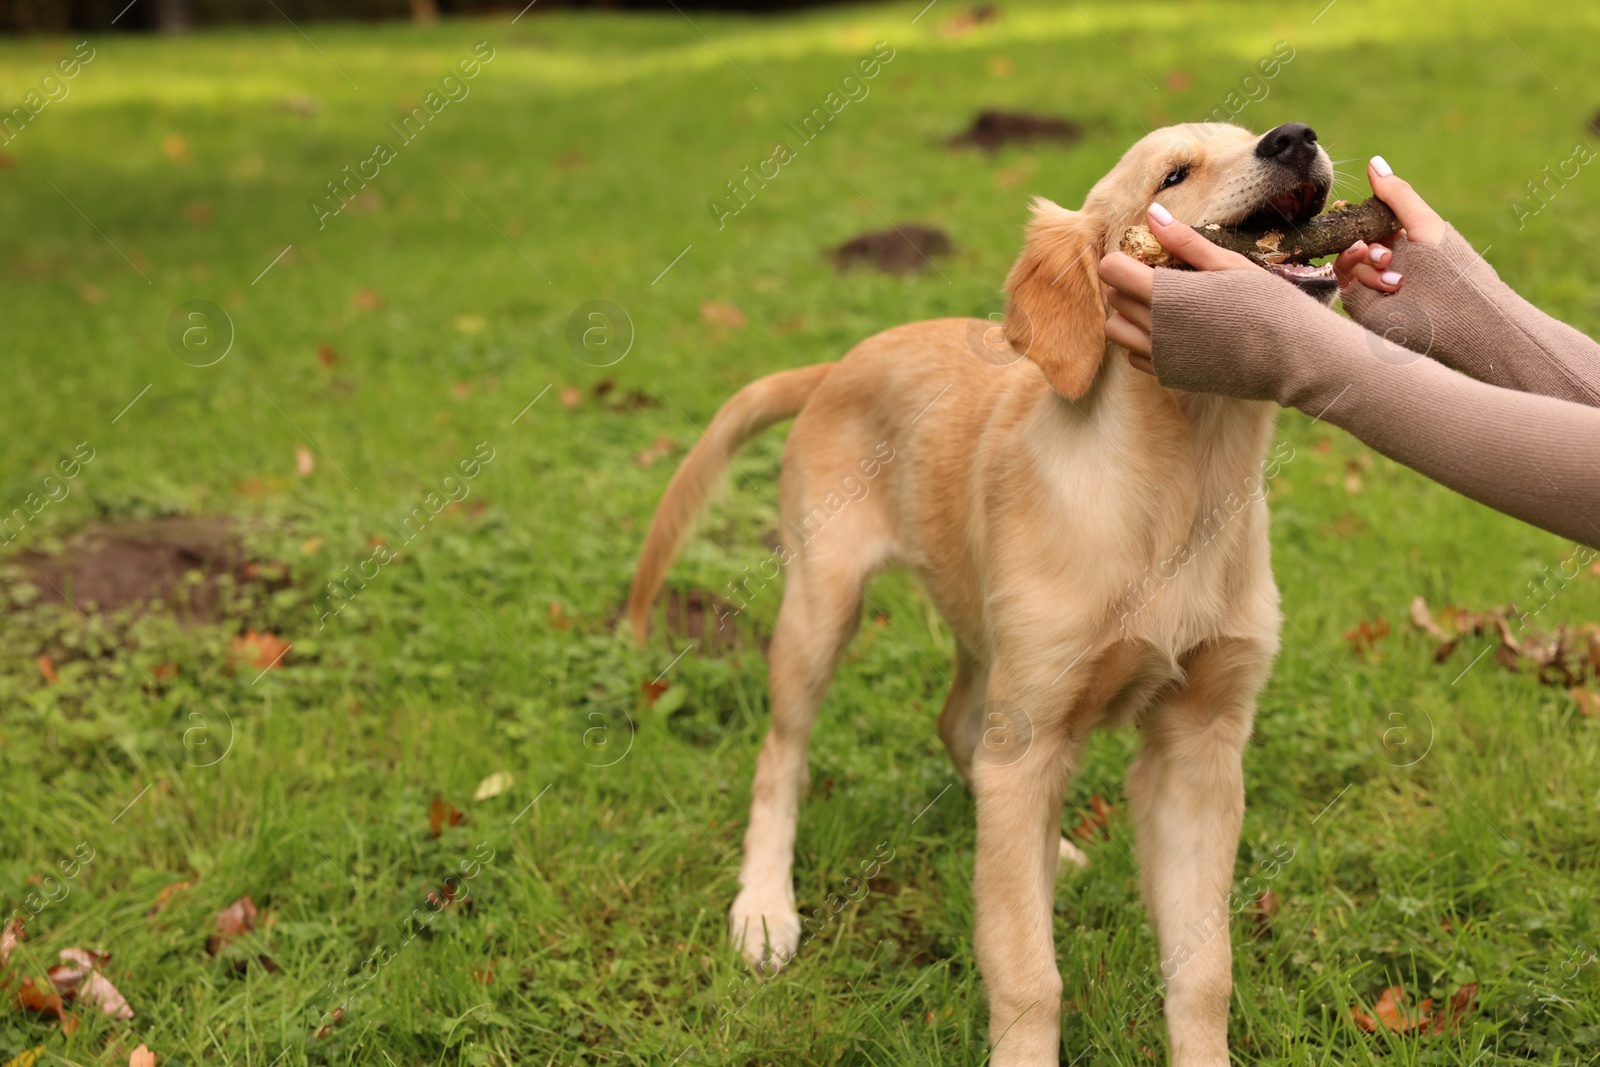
[[749, 411]]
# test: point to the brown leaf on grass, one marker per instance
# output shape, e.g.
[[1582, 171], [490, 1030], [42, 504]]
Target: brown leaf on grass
[[36, 998], [142, 1057], [304, 461], [1588, 702], [327, 355], [558, 616], [483, 976], [327, 1028], [1461, 1002], [1095, 821], [79, 978], [47, 670], [1423, 620], [236, 919], [722, 313], [1264, 909], [571, 396], [263, 651], [176, 148], [1365, 635], [442, 813], [652, 691], [11, 935], [368, 299], [660, 448], [164, 897]]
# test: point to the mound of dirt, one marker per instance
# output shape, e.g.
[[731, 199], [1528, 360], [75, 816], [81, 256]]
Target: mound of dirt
[[993, 129], [904, 249], [131, 564]]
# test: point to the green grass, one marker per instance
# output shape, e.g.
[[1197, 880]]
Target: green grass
[[593, 144]]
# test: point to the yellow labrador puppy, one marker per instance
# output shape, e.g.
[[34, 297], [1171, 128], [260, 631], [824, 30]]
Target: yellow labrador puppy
[[1098, 546]]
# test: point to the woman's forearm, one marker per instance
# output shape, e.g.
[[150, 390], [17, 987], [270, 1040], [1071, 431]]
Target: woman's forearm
[[1453, 307], [1248, 334]]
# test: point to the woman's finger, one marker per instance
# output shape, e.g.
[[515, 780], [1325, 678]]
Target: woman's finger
[[1422, 224], [1182, 241], [1133, 310], [1125, 274], [1144, 363], [1120, 331], [1346, 262], [1384, 281]]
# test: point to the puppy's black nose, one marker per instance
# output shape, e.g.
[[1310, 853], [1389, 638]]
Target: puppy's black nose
[[1292, 144]]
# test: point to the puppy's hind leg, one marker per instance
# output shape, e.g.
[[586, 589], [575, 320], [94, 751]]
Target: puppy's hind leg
[[820, 611]]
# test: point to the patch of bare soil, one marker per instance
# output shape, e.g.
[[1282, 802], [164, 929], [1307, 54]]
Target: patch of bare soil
[[134, 563], [993, 129], [903, 249]]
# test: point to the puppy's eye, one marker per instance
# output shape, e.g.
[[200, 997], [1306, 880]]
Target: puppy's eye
[[1175, 177]]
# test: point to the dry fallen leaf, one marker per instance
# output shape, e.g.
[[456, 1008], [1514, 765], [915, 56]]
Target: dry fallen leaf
[[79, 978], [176, 148], [1095, 822], [571, 396], [327, 1028], [1394, 1014], [368, 299], [652, 691], [721, 313], [304, 461], [1265, 909], [237, 918], [164, 897], [47, 670], [662, 447], [326, 354], [12, 934], [558, 616], [36, 998], [263, 651], [494, 785], [1364, 636], [442, 813], [142, 1057]]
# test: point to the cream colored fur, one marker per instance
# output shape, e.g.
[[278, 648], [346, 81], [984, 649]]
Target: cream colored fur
[[1031, 498]]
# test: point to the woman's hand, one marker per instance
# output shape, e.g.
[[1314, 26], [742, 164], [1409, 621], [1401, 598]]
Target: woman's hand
[[1368, 264], [1131, 282]]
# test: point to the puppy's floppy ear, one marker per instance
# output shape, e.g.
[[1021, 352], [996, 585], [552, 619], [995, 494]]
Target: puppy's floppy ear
[[1055, 315]]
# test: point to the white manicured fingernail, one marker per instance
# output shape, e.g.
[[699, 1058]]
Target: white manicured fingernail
[[1160, 214], [1377, 253], [1353, 246], [1391, 277], [1381, 165]]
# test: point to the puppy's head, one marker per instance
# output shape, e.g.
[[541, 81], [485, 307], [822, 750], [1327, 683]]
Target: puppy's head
[[1202, 173]]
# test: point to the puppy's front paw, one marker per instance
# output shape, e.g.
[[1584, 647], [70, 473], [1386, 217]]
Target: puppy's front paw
[[765, 927]]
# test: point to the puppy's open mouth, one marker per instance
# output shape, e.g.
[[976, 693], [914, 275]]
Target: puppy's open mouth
[[1287, 211]]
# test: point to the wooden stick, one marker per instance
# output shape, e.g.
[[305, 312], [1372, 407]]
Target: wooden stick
[[1324, 235]]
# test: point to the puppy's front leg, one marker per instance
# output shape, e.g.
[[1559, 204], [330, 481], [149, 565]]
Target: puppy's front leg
[[1019, 835], [1187, 791]]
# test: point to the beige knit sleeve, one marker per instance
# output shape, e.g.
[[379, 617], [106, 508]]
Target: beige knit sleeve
[[1248, 334], [1453, 307]]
